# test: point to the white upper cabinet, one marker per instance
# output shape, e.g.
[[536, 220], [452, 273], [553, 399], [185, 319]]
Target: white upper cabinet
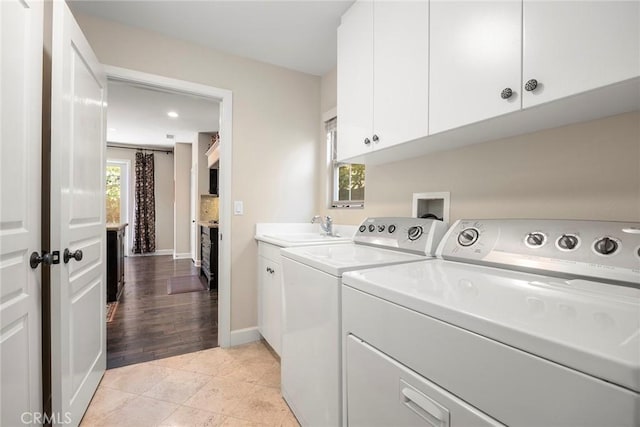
[[400, 72], [355, 80], [383, 66], [575, 46], [475, 61]]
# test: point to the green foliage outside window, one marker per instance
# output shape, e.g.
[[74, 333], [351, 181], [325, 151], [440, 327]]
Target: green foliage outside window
[[113, 194]]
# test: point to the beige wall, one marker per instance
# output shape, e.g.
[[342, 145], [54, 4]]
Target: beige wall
[[275, 134], [163, 182], [588, 170], [182, 206]]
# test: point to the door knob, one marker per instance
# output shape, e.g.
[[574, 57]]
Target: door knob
[[36, 259], [67, 255]]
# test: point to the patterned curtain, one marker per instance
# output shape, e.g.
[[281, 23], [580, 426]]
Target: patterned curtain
[[144, 232]]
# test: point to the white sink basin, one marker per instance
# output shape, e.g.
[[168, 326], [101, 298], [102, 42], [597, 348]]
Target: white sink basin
[[307, 238]]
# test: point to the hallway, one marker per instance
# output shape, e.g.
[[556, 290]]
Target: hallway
[[149, 324]]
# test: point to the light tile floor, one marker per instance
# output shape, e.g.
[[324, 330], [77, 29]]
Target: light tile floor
[[238, 386]]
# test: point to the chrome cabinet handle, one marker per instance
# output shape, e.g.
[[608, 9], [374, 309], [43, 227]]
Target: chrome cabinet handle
[[506, 93], [531, 85], [367, 141], [375, 138]]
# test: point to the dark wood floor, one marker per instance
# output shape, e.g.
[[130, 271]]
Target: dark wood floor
[[150, 324]]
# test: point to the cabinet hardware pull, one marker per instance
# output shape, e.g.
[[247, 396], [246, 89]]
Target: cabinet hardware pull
[[375, 138], [531, 85], [367, 141], [506, 93]]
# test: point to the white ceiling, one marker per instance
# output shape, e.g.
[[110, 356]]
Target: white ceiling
[[295, 34], [137, 115]]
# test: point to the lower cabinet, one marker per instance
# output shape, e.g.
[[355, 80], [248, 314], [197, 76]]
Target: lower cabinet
[[209, 253], [115, 261], [270, 295]]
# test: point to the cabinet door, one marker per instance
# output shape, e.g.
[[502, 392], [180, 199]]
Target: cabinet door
[[401, 71], [475, 54], [575, 46], [270, 303], [355, 80]]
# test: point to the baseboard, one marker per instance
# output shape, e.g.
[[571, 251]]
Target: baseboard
[[244, 336], [197, 263], [183, 255], [159, 252]]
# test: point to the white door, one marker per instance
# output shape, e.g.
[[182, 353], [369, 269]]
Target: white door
[[20, 213], [355, 81], [575, 46], [78, 149], [400, 71], [475, 54]]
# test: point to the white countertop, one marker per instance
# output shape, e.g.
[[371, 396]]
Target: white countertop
[[302, 234]]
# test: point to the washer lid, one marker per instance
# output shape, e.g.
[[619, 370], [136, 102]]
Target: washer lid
[[588, 326], [336, 259]]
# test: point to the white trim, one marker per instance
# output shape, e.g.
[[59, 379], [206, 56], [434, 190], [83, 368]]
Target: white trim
[[197, 263], [184, 255], [226, 147], [159, 252], [330, 114], [244, 336]]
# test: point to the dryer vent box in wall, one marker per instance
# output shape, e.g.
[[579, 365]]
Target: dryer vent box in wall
[[426, 204]]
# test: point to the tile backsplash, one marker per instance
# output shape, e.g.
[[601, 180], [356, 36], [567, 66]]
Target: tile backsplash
[[209, 206]]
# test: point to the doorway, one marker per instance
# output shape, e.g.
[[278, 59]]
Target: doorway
[[223, 97]]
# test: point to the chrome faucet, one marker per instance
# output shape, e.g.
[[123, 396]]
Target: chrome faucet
[[326, 224]]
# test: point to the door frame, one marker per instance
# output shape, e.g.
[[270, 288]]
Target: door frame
[[225, 97]]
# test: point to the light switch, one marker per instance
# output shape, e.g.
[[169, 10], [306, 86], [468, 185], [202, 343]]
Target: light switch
[[238, 207]]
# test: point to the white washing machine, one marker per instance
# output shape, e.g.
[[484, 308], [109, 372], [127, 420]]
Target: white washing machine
[[311, 343], [519, 322]]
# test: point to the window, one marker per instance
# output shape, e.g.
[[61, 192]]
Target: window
[[116, 191], [347, 179]]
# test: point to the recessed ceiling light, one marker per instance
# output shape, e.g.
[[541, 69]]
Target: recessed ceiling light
[[172, 114]]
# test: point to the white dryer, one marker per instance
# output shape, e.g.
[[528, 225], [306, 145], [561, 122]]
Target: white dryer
[[311, 343], [520, 322]]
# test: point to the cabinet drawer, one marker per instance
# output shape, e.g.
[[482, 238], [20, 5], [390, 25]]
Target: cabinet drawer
[[269, 251]]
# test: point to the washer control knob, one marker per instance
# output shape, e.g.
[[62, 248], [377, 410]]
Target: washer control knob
[[535, 239], [381, 228], [568, 242], [392, 228], [605, 246], [468, 236], [372, 228], [414, 232], [362, 228]]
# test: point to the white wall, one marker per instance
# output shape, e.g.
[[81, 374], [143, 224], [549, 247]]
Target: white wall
[[275, 134], [588, 170], [163, 182], [182, 203]]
